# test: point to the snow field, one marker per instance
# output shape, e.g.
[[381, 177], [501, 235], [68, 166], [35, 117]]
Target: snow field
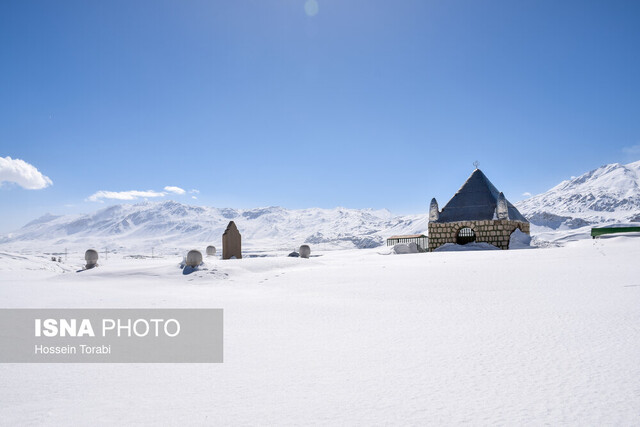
[[355, 337]]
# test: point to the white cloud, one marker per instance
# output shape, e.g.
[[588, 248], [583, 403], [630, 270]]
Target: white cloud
[[175, 190], [194, 197], [22, 173], [124, 195], [526, 194], [194, 191]]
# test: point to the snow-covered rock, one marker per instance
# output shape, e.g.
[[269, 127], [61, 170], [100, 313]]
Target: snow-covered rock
[[405, 248]]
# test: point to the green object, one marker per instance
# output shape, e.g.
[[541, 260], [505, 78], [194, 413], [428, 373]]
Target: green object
[[595, 232]]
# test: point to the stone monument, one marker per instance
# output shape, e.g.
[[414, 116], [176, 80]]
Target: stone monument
[[91, 256], [194, 258], [231, 242], [304, 251]]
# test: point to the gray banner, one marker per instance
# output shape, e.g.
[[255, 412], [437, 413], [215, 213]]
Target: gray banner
[[111, 335]]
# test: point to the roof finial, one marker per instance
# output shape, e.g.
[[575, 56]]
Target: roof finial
[[476, 164], [434, 213]]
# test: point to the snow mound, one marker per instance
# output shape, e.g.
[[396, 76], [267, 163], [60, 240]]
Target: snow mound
[[519, 240], [13, 262], [473, 246], [405, 248]]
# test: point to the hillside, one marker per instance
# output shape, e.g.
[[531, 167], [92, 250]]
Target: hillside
[[608, 194]]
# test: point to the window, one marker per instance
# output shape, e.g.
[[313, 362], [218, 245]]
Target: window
[[465, 235]]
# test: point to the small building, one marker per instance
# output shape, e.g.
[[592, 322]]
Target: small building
[[419, 239], [478, 212]]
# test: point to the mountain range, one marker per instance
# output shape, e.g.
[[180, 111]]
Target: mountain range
[[171, 226], [610, 193], [607, 194]]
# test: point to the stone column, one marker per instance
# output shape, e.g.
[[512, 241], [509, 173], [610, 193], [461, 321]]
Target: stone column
[[231, 242]]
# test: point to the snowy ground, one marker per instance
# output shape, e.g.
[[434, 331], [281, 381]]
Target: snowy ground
[[542, 336]]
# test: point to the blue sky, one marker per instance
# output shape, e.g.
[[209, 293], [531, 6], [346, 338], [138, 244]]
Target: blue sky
[[363, 104]]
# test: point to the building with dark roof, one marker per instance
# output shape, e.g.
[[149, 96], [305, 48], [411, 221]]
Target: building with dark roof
[[478, 212]]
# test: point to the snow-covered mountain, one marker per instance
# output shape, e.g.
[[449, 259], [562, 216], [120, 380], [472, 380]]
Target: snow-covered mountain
[[171, 226], [610, 193]]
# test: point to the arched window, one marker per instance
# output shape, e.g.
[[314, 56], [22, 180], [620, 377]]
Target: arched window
[[465, 235]]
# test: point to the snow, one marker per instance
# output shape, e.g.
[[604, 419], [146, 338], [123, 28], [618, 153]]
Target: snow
[[623, 225], [519, 240], [172, 228], [610, 193], [405, 248], [473, 246], [543, 336]]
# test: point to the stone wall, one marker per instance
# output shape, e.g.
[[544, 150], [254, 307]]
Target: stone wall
[[495, 232]]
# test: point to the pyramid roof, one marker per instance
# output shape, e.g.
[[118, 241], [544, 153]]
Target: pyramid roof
[[476, 200]]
